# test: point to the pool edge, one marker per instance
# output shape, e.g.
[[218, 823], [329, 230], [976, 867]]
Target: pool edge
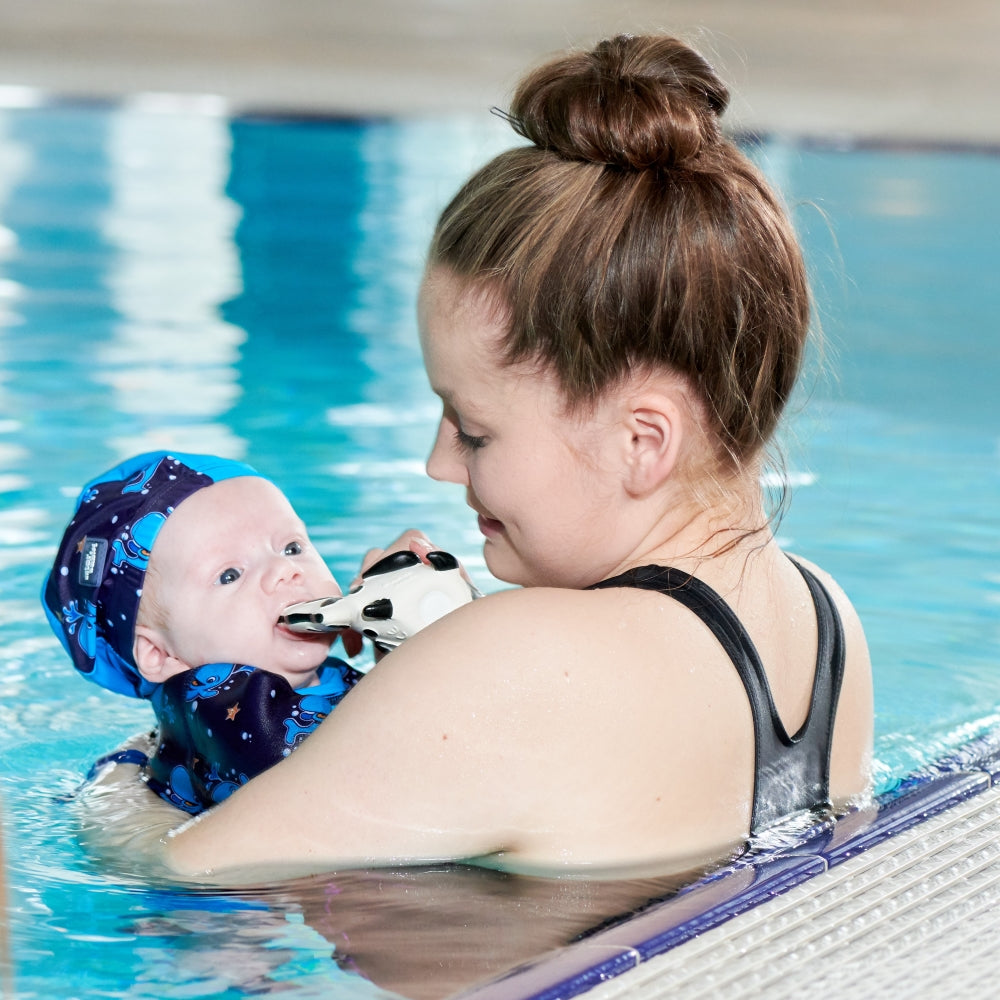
[[724, 896]]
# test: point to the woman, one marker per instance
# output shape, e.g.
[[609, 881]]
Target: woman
[[613, 317]]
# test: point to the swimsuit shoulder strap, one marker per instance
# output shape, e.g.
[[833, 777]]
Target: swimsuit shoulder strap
[[790, 772]]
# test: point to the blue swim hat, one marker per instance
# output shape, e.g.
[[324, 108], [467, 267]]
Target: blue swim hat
[[91, 595]]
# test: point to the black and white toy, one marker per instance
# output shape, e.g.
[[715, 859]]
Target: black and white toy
[[397, 597]]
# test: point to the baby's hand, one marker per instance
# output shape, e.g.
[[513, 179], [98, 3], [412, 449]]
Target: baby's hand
[[353, 642]]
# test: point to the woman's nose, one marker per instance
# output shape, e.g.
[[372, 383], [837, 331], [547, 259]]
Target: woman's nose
[[444, 463]]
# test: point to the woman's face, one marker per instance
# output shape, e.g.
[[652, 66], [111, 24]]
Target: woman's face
[[543, 483]]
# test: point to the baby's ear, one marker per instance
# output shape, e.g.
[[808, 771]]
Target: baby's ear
[[151, 656]]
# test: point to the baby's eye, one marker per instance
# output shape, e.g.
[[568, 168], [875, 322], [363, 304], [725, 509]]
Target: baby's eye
[[230, 575], [293, 549]]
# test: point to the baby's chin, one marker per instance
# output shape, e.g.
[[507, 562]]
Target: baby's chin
[[305, 659], [297, 678]]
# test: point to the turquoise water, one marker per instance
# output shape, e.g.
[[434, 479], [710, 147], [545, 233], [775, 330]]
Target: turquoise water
[[177, 279]]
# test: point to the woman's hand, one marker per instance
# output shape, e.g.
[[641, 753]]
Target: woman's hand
[[410, 541]]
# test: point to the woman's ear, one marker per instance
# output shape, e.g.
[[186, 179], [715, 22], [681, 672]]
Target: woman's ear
[[655, 427], [152, 657]]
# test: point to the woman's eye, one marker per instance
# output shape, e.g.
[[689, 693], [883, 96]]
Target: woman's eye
[[466, 442], [293, 549], [229, 576]]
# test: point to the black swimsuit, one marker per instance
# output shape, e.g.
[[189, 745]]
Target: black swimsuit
[[791, 772]]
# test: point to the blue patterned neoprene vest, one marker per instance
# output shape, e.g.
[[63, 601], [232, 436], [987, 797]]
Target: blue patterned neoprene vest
[[222, 724]]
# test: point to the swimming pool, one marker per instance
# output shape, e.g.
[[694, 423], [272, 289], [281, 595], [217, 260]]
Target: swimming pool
[[170, 277]]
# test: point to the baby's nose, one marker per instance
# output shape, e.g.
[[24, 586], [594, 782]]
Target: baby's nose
[[281, 572]]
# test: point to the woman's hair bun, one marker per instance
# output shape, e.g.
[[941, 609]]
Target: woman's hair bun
[[637, 103]]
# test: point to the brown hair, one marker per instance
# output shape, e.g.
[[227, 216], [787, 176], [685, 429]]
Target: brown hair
[[633, 235]]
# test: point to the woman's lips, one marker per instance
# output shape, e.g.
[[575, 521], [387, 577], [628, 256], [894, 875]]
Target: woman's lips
[[490, 526]]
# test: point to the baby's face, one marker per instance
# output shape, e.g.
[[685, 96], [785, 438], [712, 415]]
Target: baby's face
[[225, 565]]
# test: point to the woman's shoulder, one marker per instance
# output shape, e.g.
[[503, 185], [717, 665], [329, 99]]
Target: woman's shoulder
[[548, 697], [853, 629], [550, 608], [534, 639], [561, 615], [850, 774]]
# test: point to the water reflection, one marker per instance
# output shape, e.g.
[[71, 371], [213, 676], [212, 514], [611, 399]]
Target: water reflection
[[170, 361], [6, 961], [422, 933], [300, 189], [428, 933], [115, 252]]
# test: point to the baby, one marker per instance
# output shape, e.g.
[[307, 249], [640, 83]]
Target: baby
[[169, 585]]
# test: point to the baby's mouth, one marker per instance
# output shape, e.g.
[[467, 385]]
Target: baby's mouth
[[304, 619], [286, 619], [281, 626]]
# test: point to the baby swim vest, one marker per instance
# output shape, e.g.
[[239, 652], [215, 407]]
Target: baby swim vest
[[222, 724], [791, 772]]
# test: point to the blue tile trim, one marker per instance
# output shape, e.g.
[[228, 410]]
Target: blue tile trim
[[564, 973], [708, 904]]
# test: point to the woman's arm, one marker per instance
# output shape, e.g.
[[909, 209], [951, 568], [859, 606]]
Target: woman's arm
[[121, 821], [522, 748], [418, 763]]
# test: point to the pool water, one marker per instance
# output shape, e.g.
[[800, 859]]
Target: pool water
[[173, 278]]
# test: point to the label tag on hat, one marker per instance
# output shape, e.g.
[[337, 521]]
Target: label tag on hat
[[93, 555]]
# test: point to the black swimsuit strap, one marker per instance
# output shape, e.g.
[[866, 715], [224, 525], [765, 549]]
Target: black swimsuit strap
[[790, 772]]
